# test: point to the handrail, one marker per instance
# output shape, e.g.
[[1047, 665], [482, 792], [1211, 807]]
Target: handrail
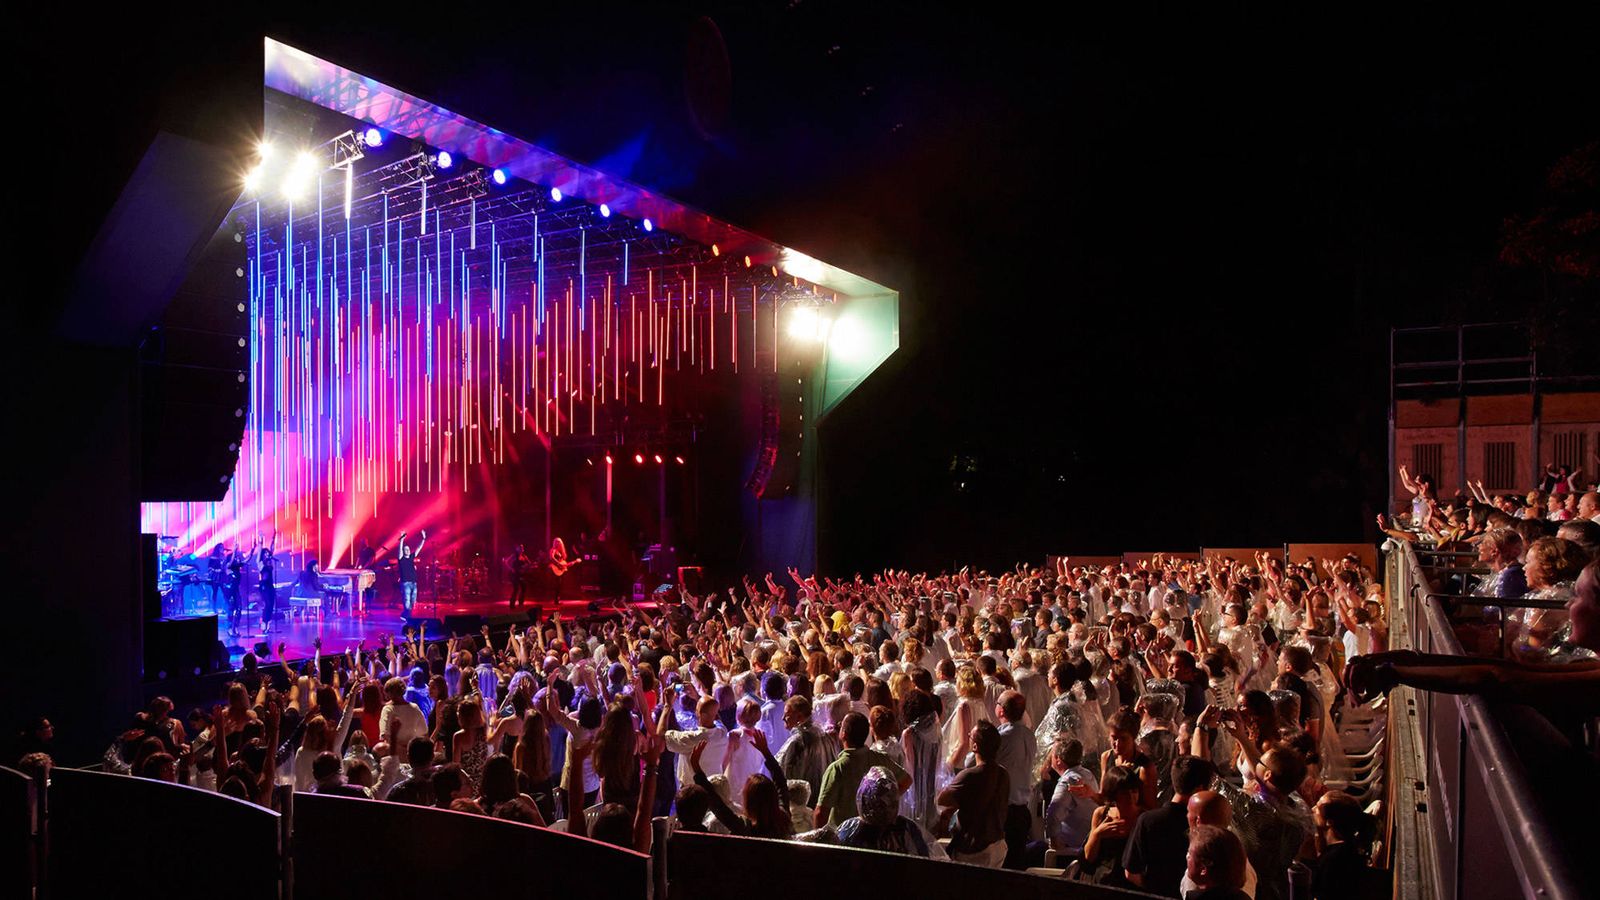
[[1481, 753]]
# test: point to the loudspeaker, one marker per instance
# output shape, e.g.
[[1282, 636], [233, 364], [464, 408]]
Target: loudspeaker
[[501, 622], [262, 650], [194, 376], [463, 624], [181, 647]]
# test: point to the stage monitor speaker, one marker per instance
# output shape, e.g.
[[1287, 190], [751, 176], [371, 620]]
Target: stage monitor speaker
[[181, 647], [506, 620], [430, 625], [262, 650], [194, 377], [465, 623]]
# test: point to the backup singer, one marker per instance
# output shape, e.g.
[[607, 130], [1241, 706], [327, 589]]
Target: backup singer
[[269, 592]]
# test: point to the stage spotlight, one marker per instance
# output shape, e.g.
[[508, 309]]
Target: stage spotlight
[[555, 194], [679, 459], [372, 137], [300, 175], [264, 150], [806, 324], [648, 226], [715, 251], [499, 176], [658, 459], [445, 159], [608, 459], [605, 211], [747, 262], [589, 461], [638, 458]]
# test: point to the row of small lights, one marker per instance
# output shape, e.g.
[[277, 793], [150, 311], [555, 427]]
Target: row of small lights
[[638, 459], [306, 164]]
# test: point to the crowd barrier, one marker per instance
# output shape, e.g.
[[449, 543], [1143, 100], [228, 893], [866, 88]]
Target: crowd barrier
[[1476, 831], [721, 867], [111, 835], [417, 851]]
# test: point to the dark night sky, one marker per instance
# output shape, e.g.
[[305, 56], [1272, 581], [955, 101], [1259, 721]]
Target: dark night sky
[[1147, 262]]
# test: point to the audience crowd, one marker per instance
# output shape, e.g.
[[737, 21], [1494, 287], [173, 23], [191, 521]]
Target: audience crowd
[[1182, 727]]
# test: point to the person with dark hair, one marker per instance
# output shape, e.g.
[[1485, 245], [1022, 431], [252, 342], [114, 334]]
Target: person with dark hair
[[1111, 824], [418, 788], [1268, 813], [498, 787], [1154, 857], [975, 803], [836, 802], [1344, 840], [449, 785], [328, 770], [1018, 749], [1215, 863]]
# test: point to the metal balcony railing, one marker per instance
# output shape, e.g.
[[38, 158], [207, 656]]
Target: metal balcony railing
[[1466, 821]]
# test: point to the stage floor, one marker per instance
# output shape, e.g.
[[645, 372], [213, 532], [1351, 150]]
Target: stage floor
[[343, 631]]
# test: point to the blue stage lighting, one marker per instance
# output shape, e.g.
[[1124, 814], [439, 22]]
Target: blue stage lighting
[[605, 211], [555, 194], [648, 226], [445, 159], [499, 176], [373, 137]]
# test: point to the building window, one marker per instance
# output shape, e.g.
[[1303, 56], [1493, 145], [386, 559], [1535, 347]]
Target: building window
[[1500, 465], [1427, 459], [1569, 451]]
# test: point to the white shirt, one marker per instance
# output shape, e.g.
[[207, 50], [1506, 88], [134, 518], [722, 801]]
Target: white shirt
[[683, 743], [772, 724], [412, 724]]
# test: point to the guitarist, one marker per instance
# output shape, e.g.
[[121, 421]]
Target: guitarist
[[557, 564]]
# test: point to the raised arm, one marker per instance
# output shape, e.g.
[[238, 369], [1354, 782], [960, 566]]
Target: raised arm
[[650, 747]]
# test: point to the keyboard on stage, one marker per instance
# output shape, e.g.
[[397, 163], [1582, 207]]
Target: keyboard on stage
[[356, 579]]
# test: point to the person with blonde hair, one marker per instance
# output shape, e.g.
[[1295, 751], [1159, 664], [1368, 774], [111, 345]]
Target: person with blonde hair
[[972, 706]]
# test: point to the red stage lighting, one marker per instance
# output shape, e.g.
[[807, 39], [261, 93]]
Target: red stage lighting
[[639, 458], [680, 460], [658, 459], [608, 459]]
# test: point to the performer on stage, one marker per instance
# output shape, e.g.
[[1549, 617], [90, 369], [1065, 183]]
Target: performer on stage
[[269, 591], [557, 564], [216, 576], [519, 566], [408, 570], [234, 588]]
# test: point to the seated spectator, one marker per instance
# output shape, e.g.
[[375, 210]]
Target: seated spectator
[[975, 803]]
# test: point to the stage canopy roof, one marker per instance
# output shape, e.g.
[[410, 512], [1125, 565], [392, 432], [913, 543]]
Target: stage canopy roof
[[865, 329]]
